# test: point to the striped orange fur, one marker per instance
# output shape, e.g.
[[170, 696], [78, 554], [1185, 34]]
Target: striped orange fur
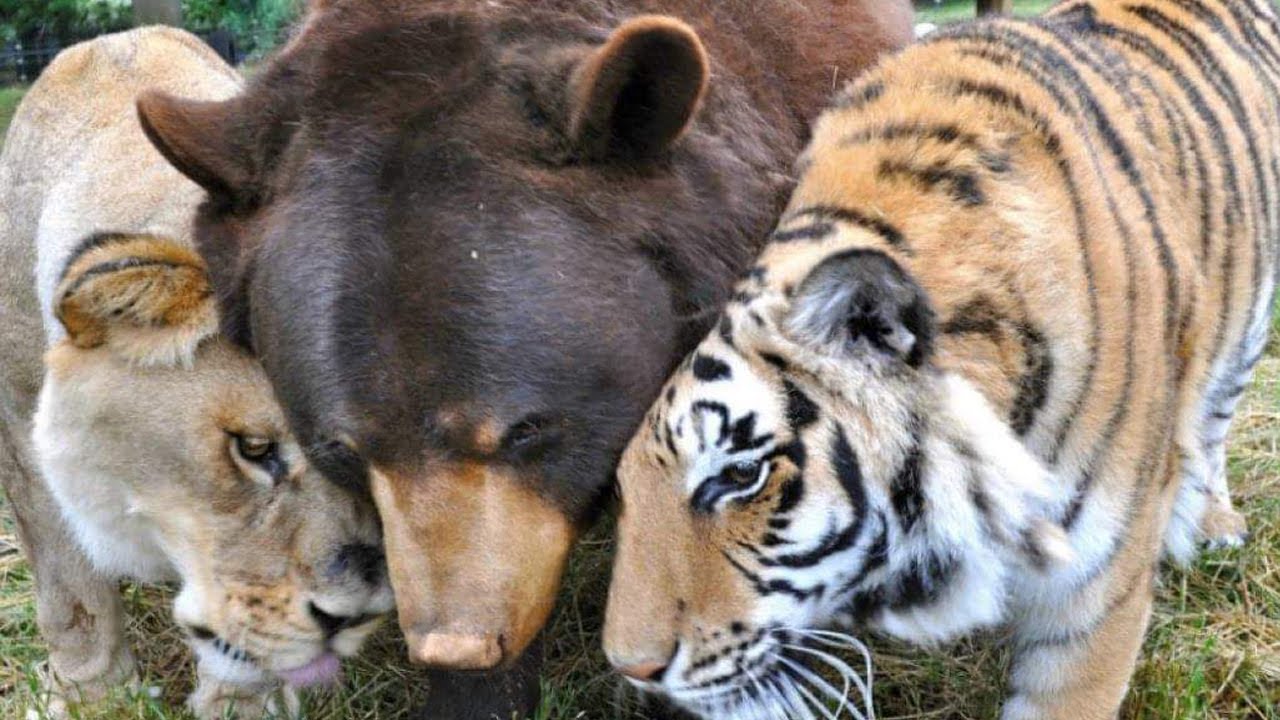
[[1075, 218]]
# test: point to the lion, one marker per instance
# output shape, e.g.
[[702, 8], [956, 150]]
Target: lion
[[146, 446]]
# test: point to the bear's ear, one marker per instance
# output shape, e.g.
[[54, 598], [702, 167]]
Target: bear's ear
[[860, 303], [145, 298], [637, 94], [197, 138]]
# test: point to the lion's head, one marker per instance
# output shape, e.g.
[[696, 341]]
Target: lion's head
[[170, 458]]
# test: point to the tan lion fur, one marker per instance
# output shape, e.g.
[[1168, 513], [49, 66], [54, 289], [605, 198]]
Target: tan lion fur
[[132, 471]]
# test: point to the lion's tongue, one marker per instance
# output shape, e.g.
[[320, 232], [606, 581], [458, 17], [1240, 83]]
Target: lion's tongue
[[323, 670]]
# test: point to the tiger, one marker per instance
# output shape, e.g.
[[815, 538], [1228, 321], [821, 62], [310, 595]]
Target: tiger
[[981, 374]]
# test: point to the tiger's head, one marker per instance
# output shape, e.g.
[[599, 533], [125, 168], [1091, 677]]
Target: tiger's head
[[169, 458], [812, 462]]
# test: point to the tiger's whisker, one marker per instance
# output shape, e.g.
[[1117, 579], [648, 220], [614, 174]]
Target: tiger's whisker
[[844, 640], [846, 672], [795, 699], [803, 676]]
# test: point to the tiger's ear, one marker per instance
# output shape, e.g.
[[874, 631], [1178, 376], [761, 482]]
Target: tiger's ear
[[862, 303], [145, 298], [636, 95], [198, 138]]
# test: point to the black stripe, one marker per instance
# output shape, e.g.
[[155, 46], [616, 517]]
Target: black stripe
[[771, 587], [721, 411], [1034, 382], [976, 317], [742, 436], [849, 473], [117, 265], [801, 410], [710, 369], [907, 488], [831, 213], [816, 231], [962, 186], [996, 161], [923, 581], [93, 242], [859, 96], [776, 361], [790, 496], [1259, 52]]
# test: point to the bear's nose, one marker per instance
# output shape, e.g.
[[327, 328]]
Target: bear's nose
[[455, 651]]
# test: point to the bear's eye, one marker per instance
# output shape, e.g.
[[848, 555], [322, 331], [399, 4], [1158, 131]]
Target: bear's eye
[[255, 449], [533, 437], [743, 473]]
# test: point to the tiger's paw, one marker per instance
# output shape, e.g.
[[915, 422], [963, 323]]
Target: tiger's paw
[[1222, 526]]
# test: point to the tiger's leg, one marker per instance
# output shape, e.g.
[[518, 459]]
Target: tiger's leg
[[1076, 645], [79, 613], [1204, 513], [1222, 525], [1081, 671]]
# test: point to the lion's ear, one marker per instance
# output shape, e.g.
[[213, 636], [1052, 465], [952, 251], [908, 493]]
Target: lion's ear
[[145, 298]]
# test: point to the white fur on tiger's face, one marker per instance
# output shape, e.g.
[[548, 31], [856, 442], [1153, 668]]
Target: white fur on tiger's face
[[810, 464]]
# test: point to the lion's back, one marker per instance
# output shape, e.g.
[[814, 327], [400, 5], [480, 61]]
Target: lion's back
[[76, 162]]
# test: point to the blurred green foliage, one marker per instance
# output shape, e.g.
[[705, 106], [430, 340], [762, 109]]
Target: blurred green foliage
[[62, 19], [257, 24]]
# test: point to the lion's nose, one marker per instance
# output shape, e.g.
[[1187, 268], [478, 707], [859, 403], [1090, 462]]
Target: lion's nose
[[651, 672], [333, 624], [360, 560], [454, 651]]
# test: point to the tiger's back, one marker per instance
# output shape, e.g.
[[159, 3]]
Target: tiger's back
[[1088, 201]]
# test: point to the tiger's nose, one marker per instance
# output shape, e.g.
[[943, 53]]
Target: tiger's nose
[[651, 672]]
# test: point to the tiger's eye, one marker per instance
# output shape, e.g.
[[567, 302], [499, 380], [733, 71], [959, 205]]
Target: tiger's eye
[[744, 473]]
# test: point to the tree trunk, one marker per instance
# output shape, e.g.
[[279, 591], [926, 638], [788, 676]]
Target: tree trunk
[[157, 12], [989, 7]]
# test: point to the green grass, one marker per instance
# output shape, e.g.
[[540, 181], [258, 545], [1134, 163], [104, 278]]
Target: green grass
[[953, 10], [9, 98]]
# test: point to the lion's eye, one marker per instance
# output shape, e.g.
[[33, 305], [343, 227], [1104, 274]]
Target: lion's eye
[[743, 473], [255, 449], [259, 458]]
